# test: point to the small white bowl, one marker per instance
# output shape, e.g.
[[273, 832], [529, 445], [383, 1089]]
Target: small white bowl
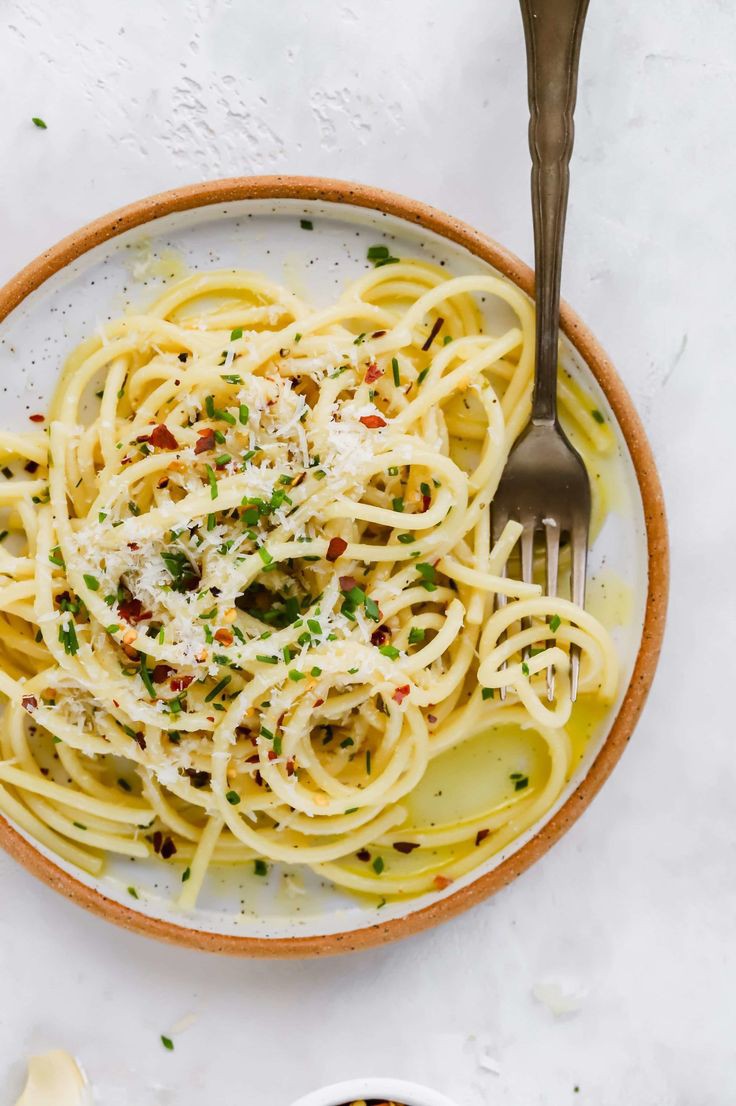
[[390, 1090]]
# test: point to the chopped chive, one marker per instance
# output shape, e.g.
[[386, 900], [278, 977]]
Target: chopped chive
[[38, 122], [554, 623], [422, 375], [233, 798], [520, 782], [406, 539], [212, 481], [375, 253], [124, 785], [266, 660], [260, 867], [597, 415], [112, 629], [265, 555], [92, 582], [316, 671], [416, 634], [235, 334], [394, 470], [145, 675], [186, 875], [223, 459], [398, 503], [428, 574], [306, 224], [395, 370], [368, 762], [378, 865], [244, 414], [295, 675], [132, 892], [525, 668], [486, 693], [167, 1043], [389, 651], [102, 516], [220, 686]]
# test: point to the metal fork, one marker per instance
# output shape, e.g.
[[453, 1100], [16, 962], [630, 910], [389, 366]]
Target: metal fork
[[545, 485]]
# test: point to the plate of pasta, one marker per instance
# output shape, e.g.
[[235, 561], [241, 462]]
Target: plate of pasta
[[258, 694]]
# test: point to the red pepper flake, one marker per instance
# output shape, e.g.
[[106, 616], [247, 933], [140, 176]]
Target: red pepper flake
[[162, 438], [441, 882], [347, 583], [438, 324], [405, 846], [481, 836], [205, 441], [372, 422], [272, 755], [168, 848], [181, 683], [432, 718], [139, 739], [373, 373], [31, 466], [37, 418], [161, 672], [318, 702], [258, 777], [336, 548], [163, 482], [363, 855], [133, 545], [255, 759], [158, 840], [378, 334], [401, 693], [132, 611], [290, 769], [380, 636], [426, 502], [29, 703], [224, 636]]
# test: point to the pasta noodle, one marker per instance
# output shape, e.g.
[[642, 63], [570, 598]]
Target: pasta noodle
[[247, 588]]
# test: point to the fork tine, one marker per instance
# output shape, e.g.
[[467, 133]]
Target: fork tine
[[499, 519], [579, 547], [527, 567], [552, 537]]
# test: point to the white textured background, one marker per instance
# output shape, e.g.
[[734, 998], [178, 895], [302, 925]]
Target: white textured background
[[635, 910]]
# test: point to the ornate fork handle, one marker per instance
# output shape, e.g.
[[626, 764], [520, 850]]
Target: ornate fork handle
[[553, 30]]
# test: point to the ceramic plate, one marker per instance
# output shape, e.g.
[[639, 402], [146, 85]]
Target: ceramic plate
[[123, 260]]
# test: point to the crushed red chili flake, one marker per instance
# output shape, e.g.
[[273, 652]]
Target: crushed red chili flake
[[161, 672], [31, 466], [224, 636], [438, 324], [168, 848], [426, 502], [37, 418], [380, 636], [441, 882], [162, 438], [132, 611], [336, 548], [133, 545], [163, 482], [347, 583], [29, 703], [290, 769], [373, 372], [158, 840], [272, 755], [181, 683], [378, 334], [363, 855], [318, 702], [405, 846], [372, 422], [481, 836], [432, 718], [205, 441], [254, 759], [139, 739], [258, 777], [401, 693]]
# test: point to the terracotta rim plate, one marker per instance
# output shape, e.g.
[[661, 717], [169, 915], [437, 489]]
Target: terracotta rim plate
[[305, 195]]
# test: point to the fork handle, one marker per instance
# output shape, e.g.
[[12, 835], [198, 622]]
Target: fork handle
[[553, 30]]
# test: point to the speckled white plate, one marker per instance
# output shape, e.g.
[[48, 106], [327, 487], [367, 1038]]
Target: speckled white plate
[[124, 260]]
